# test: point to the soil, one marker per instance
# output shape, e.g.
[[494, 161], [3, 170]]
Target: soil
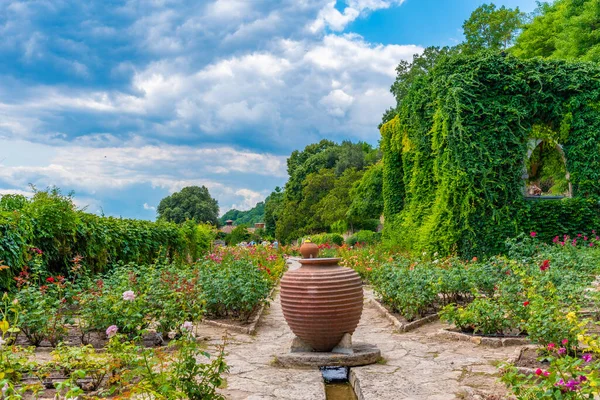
[[401, 318], [529, 359], [237, 322]]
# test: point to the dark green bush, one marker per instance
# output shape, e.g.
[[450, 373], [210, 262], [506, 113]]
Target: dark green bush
[[364, 237], [330, 238]]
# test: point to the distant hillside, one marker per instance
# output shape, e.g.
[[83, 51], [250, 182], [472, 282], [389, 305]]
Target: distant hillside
[[250, 217]]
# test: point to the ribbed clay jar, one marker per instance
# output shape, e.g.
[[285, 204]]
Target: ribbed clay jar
[[321, 302]]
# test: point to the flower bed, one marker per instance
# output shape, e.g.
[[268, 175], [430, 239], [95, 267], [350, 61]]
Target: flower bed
[[124, 312]]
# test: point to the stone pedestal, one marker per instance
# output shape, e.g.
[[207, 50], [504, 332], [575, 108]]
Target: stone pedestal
[[345, 354]]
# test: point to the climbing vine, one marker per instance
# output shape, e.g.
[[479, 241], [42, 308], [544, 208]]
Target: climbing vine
[[455, 155]]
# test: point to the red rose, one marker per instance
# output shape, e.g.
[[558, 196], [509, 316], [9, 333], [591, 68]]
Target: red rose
[[525, 303], [50, 280], [545, 265]]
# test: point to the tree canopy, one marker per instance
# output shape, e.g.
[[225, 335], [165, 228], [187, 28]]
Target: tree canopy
[[249, 217], [192, 202], [491, 28], [565, 29]]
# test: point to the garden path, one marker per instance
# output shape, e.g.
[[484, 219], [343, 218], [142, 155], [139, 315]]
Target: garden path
[[417, 365]]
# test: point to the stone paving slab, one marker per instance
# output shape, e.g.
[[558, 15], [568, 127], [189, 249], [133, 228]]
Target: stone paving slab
[[417, 365]]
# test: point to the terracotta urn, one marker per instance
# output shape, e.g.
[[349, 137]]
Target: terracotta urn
[[309, 250], [321, 302]]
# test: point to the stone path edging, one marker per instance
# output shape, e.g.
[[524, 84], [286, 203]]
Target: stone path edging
[[355, 383], [483, 340], [249, 329], [399, 325]]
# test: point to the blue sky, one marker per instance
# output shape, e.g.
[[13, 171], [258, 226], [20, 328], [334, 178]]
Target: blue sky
[[124, 102]]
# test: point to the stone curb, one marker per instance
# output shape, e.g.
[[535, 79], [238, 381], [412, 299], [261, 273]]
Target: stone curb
[[482, 340], [248, 329], [402, 326], [355, 383]]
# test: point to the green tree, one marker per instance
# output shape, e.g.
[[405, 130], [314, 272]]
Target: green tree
[[565, 29], [249, 217], [273, 209], [191, 202], [367, 195], [407, 74], [239, 234], [491, 28], [333, 207]]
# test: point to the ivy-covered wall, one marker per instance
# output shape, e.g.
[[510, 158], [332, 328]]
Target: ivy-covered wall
[[454, 155]]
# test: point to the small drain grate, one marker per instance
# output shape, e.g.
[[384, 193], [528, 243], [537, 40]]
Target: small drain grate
[[335, 374]]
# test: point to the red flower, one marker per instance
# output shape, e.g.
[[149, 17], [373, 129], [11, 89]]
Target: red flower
[[539, 372], [50, 280], [533, 234], [545, 265], [525, 303]]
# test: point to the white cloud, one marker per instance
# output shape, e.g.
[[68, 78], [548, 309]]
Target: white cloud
[[169, 93], [149, 207], [330, 17]]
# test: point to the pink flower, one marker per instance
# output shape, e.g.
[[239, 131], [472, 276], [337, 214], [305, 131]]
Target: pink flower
[[129, 295], [187, 326], [546, 373], [587, 357], [533, 234], [556, 239], [565, 341], [539, 372], [562, 350], [111, 330], [551, 346]]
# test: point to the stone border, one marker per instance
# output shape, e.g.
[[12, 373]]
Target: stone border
[[249, 329], [483, 340], [399, 325], [355, 384]]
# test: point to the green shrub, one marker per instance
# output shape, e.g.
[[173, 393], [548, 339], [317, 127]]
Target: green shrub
[[327, 238], [51, 223], [232, 288], [364, 237]]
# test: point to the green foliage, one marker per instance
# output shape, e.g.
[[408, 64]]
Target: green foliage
[[250, 217], [233, 288], [454, 156], [491, 28], [273, 208], [238, 235], [327, 238], [551, 218], [191, 202], [364, 237], [50, 222], [317, 194], [367, 201], [564, 29]]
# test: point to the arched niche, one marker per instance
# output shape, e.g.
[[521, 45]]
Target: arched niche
[[545, 174]]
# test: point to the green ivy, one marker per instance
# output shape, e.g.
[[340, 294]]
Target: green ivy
[[455, 153]]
